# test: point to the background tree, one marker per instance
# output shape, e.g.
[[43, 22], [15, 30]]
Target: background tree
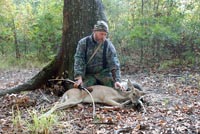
[[155, 34], [32, 19], [151, 35], [78, 20]]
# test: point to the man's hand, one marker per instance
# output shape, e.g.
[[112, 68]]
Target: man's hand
[[78, 81], [119, 86]]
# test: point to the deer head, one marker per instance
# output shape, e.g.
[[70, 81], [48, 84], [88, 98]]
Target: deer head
[[135, 93]]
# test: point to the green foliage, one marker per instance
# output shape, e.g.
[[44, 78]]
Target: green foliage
[[169, 64], [16, 119], [154, 30], [158, 31], [34, 124], [189, 58], [29, 61], [42, 125], [34, 26]]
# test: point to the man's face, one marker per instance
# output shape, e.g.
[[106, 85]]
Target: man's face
[[100, 36]]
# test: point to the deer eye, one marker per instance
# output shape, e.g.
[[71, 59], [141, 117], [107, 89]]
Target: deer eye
[[134, 94]]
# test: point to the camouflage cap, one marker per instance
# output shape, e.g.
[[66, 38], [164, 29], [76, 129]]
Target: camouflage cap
[[101, 26]]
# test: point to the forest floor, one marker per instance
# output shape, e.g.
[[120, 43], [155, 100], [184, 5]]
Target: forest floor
[[172, 106]]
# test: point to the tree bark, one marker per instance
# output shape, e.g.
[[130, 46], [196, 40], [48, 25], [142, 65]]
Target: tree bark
[[78, 22], [79, 17], [17, 52]]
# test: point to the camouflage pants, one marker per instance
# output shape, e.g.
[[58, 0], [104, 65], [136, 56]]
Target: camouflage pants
[[102, 78]]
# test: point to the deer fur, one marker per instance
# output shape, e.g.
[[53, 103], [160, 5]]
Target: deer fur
[[100, 94]]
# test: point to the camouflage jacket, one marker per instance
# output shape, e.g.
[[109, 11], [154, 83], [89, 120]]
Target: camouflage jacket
[[81, 65]]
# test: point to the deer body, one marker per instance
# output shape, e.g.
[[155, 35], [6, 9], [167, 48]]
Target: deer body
[[100, 94]]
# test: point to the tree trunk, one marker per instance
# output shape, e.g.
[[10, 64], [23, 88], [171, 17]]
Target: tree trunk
[[79, 17], [17, 53]]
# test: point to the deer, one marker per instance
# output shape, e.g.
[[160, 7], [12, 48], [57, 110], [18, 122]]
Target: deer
[[99, 94]]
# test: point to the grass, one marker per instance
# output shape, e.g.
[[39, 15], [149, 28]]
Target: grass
[[17, 120], [10, 62], [33, 124], [42, 125]]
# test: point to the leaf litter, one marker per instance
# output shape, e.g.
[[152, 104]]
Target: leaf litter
[[172, 106]]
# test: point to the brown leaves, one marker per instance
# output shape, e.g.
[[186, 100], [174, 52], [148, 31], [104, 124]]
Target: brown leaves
[[172, 105], [18, 100]]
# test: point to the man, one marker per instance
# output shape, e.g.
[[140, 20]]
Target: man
[[96, 61]]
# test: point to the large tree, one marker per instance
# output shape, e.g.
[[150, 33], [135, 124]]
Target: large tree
[[79, 16]]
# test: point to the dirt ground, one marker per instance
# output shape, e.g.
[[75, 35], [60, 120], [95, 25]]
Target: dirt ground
[[172, 105]]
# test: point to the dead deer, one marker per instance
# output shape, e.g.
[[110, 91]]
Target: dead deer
[[100, 94]]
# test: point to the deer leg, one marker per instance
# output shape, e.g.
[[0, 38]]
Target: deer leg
[[62, 105], [126, 102], [67, 104], [113, 103]]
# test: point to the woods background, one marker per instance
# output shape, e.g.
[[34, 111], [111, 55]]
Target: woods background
[[158, 45], [149, 35]]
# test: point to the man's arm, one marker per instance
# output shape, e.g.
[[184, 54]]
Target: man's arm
[[79, 59], [113, 63], [79, 62]]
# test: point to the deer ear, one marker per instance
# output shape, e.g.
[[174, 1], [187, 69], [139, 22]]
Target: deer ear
[[142, 93], [129, 83]]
